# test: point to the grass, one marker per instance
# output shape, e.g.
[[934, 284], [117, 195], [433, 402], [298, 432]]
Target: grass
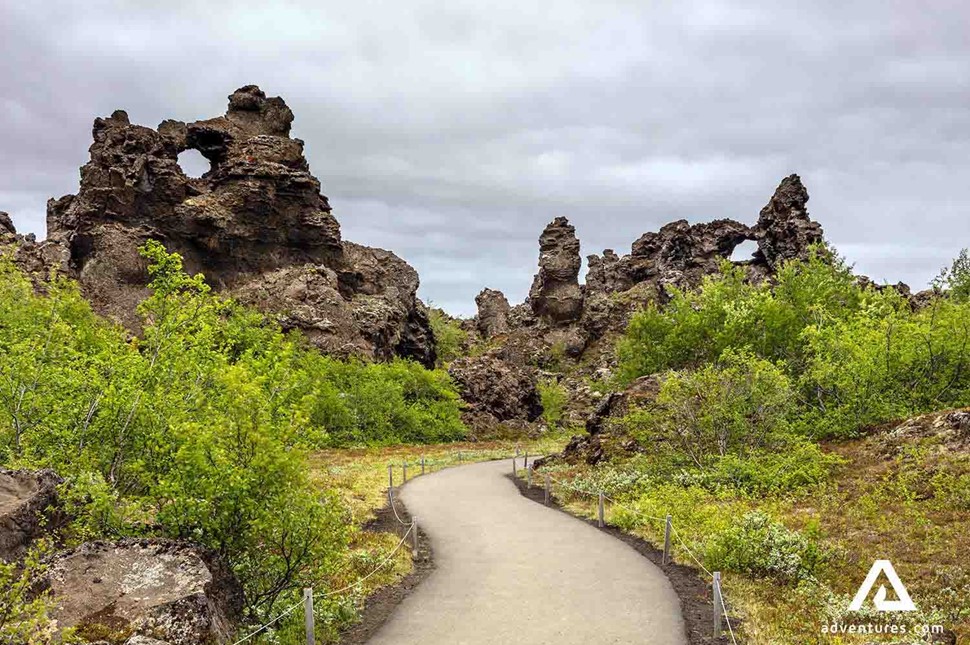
[[360, 476], [906, 500]]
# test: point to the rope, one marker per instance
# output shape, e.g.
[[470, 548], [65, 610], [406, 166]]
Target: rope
[[726, 618], [674, 530], [376, 569], [269, 624], [390, 500], [333, 592], [689, 552]]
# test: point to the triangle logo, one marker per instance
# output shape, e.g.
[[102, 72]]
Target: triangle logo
[[885, 567]]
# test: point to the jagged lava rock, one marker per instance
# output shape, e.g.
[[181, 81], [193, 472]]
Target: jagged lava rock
[[493, 313], [784, 230], [28, 501], [555, 295], [255, 224], [164, 589], [495, 390]]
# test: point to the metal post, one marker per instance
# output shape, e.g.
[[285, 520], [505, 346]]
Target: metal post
[[528, 476], [602, 514], [668, 528], [404, 469], [422, 465], [308, 614], [717, 604], [547, 488], [513, 467], [414, 538]]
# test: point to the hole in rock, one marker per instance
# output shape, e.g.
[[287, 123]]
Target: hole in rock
[[193, 164], [744, 251]]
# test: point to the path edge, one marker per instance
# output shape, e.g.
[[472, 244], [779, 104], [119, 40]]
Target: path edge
[[693, 591]]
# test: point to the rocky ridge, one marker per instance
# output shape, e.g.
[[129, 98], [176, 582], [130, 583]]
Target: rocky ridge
[[563, 320], [256, 225]]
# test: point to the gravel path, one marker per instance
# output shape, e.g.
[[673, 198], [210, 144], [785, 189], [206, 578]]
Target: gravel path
[[513, 571]]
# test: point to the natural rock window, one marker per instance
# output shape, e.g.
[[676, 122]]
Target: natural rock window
[[744, 251], [193, 164]]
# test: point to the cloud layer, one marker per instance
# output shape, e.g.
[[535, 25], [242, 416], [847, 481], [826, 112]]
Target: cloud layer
[[453, 132]]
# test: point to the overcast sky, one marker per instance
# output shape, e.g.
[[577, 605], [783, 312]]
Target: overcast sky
[[452, 132]]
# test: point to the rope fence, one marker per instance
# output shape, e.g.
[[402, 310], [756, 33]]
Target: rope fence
[[412, 532], [670, 530]]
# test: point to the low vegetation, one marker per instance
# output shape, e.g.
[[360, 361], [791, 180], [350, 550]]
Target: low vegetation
[[769, 444], [200, 427]]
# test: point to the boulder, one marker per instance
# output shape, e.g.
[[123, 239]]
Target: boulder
[[555, 295], [28, 501], [493, 313], [496, 391], [162, 589], [256, 225]]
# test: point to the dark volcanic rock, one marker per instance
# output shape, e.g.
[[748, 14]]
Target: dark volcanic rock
[[555, 295], [784, 230], [493, 313], [159, 588], [27, 506], [255, 224], [496, 391]]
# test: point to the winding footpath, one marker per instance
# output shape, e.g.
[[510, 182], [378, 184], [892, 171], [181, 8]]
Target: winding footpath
[[510, 570]]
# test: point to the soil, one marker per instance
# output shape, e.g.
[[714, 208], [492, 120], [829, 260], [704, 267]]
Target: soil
[[379, 605], [694, 591]]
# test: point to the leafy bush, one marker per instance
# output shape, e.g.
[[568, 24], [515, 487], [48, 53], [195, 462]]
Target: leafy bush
[[198, 428], [450, 339], [886, 363], [24, 614], [553, 397], [732, 407], [728, 312], [762, 547], [790, 466], [956, 278]]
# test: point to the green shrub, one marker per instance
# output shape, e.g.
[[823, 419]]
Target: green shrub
[[790, 466], [761, 547], [553, 397], [450, 339], [198, 428], [732, 407]]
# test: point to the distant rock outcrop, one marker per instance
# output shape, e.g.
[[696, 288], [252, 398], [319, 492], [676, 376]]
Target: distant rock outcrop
[[255, 224], [562, 318], [784, 230], [555, 295], [161, 589], [493, 313]]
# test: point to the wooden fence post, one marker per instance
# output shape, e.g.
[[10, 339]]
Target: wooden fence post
[[717, 604], [668, 526], [414, 538], [514, 472], [547, 489], [602, 510], [422, 465], [308, 615], [404, 470], [528, 476], [390, 476]]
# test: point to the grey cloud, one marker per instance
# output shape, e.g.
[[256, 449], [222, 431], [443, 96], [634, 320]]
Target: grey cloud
[[452, 133]]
